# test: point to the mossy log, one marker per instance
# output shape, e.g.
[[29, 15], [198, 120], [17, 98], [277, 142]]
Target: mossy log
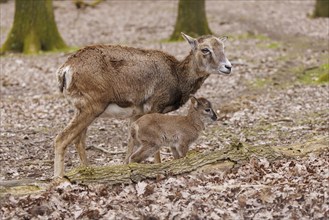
[[215, 161], [136, 172]]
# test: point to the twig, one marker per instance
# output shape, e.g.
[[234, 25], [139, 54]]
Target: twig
[[284, 120], [107, 151], [310, 68]]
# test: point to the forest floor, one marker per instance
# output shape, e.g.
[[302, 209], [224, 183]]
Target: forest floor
[[276, 96]]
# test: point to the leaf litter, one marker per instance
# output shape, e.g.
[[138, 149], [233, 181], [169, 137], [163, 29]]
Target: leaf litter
[[253, 103]]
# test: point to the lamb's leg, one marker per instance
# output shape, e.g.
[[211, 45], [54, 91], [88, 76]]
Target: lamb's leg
[[132, 148], [175, 152], [182, 149], [132, 140], [146, 150], [156, 103]]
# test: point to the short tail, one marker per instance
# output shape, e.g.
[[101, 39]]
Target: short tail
[[61, 80], [62, 74]]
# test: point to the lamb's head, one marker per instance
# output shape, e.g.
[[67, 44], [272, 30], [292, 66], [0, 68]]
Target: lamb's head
[[203, 108], [209, 54]]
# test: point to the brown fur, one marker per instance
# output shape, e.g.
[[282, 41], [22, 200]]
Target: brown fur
[[128, 82], [153, 131]]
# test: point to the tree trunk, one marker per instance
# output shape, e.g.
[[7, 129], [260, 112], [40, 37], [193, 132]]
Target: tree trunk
[[191, 19], [34, 28], [321, 8]]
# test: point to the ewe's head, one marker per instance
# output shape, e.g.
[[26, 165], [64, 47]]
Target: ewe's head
[[209, 54], [204, 108]]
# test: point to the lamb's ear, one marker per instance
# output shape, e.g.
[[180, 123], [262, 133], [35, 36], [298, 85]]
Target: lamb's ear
[[190, 40], [194, 101]]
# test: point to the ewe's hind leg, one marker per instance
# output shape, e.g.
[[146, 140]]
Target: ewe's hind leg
[[78, 124], [145, 151], [80, 144]]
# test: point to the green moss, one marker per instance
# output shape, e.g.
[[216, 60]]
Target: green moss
[[285, 58], [250, 36], [286, 78], [264, 82], [317, 75], [273, 45], [260, 82], [324, 78], [20, 190], [262, 40], [269, 45], [65, 50]]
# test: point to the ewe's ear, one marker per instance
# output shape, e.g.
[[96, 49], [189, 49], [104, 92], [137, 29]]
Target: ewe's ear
[[190, 40], [223, 38]]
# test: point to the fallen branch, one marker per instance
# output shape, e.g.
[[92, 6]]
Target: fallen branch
[[107, 151], [216, 161]]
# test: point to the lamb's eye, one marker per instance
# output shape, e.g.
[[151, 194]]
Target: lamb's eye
[[207, 109], [205, 51]]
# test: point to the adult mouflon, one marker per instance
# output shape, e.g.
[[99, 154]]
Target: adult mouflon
[[126, 82]]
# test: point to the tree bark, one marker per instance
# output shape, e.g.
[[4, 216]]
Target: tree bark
[[191, 19], [217, 161], [321, 8], [34, 28]]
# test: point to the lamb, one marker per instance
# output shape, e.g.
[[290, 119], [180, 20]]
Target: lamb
[[125, 82], [152, 131]]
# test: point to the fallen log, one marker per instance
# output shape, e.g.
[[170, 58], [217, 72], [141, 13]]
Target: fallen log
[[216, 161]]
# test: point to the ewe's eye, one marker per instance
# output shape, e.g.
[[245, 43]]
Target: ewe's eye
[[205, 51], [207, 109]]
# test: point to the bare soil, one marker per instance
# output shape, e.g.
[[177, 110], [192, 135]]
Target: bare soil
[[265, 102]]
